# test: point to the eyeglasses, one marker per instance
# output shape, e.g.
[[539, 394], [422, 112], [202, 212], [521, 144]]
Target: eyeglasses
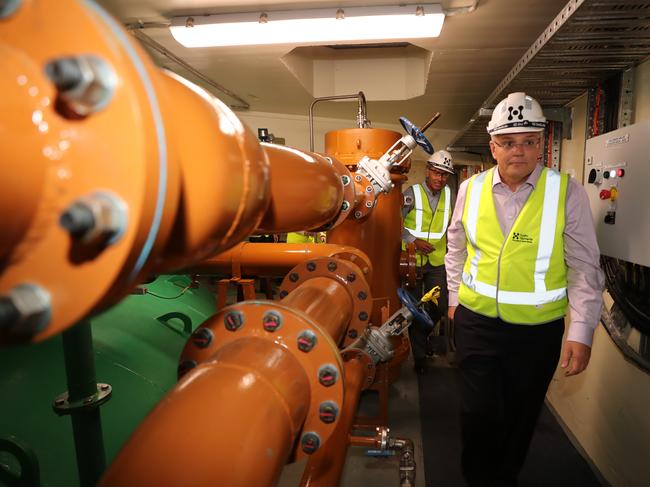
[[509, 145]]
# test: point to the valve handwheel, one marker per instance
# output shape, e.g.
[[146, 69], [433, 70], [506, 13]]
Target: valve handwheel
[[419, 316], [417, 134]]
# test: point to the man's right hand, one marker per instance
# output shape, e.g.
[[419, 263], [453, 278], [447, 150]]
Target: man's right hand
[[423, 246], [451, 311]]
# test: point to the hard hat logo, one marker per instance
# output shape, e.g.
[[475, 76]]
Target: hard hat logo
[[517, 113], [442, 161]]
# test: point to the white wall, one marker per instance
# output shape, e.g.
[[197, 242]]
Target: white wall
[[607, 408]]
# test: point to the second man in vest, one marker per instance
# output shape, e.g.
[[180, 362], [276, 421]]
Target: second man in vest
[[427, 212]]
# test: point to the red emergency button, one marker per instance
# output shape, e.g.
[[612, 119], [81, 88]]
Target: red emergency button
[[620, 172], [605, 194]]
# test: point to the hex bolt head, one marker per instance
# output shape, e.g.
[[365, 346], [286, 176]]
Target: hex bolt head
[[233, 320], [368, 204], [362, 295], [310, 442], [271, 321], [345, 179], [363, 316], [311, 266], [25, 310], [345, 206], [353, 333], [357, 178], [293, 277], [328, 411], [328, 374], [202, 337], [59, 402], [284, 293], [78, 220], [8, 7], [331, 266], [368, 189], [306, 340], [185, 366], [357, 214], [352, 277]]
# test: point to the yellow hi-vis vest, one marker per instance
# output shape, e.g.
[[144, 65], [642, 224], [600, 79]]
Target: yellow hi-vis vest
[[423, 223], [520, 278], [299, 238]]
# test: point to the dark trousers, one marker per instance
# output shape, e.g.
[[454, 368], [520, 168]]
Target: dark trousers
[[431, 276], [505, 370]]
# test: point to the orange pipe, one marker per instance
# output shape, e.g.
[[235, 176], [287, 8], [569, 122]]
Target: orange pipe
[[326, 301], [324, 468], [267, 259], [306, 191], [239, 437]]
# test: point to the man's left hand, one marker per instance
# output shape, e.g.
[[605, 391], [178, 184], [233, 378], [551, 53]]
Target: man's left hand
[[575, 357]]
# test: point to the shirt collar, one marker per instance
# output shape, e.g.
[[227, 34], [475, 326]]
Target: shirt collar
[[533, 177]]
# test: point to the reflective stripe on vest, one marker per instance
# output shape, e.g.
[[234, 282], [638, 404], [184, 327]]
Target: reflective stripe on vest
[[554, 191], [417, 232]]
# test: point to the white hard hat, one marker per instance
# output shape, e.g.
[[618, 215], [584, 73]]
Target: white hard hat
[[441, 160], [517, 113]]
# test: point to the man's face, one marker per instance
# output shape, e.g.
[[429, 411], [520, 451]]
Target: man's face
[[436, 179], [516, 154]]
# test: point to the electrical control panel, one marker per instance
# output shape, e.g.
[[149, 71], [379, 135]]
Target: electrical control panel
[[617, 180]]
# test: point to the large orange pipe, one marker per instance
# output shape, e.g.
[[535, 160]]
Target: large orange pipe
[[326, 301], [306, 191], [265, 259], [324, 468], [240, 437], [379, 235]]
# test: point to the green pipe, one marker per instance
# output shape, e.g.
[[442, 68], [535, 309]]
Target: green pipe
[[82, 388]]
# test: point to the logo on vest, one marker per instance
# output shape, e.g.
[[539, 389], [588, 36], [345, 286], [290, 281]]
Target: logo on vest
[[521, 237]]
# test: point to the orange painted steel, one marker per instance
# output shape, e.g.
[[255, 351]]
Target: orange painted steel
[[350, 145], [271, 390], [324, 468], [160, 146], [239, 437], [326, 301], [379, 235], [307, 192], [268, 259]]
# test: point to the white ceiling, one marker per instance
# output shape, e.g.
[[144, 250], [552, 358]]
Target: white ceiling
[[473, 53]]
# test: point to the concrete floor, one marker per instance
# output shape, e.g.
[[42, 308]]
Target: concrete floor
[[404, 422]]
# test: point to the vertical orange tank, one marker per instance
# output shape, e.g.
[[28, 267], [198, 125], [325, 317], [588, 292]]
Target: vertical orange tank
[[379, 234]]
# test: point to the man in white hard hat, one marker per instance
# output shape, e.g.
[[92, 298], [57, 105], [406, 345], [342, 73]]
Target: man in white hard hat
[[426, 212], [522, 249]]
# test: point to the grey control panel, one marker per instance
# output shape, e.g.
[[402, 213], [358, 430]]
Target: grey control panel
[[617, 180]]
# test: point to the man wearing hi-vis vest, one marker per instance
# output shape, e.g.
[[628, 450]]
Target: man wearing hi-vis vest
[[427, 212], [522, 249]]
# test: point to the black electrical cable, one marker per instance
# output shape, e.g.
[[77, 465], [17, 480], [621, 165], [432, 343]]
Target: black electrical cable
[[629, 286]]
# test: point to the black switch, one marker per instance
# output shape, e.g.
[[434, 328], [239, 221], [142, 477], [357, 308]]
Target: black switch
[[592, 176], [610, 217]]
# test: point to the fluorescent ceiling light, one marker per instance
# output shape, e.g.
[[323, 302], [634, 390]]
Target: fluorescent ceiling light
[[310, 27]]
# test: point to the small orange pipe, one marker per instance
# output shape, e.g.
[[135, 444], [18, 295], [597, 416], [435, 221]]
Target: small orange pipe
[[306, 191], [267, 260], [239, 437], [324, 468], [326, 301]]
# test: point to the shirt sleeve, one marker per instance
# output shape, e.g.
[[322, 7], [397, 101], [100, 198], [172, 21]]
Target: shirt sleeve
[[456, 246], [407, 205], [586, 281]]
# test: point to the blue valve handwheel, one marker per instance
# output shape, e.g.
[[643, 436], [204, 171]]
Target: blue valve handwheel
[[417, 134], [411, 304]]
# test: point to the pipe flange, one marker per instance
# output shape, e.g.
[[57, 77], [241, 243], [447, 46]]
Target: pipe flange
[[296, 333], [365, 197], [348, 191], [62, 404], [408, 266], [345, 272], [369, 365]]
